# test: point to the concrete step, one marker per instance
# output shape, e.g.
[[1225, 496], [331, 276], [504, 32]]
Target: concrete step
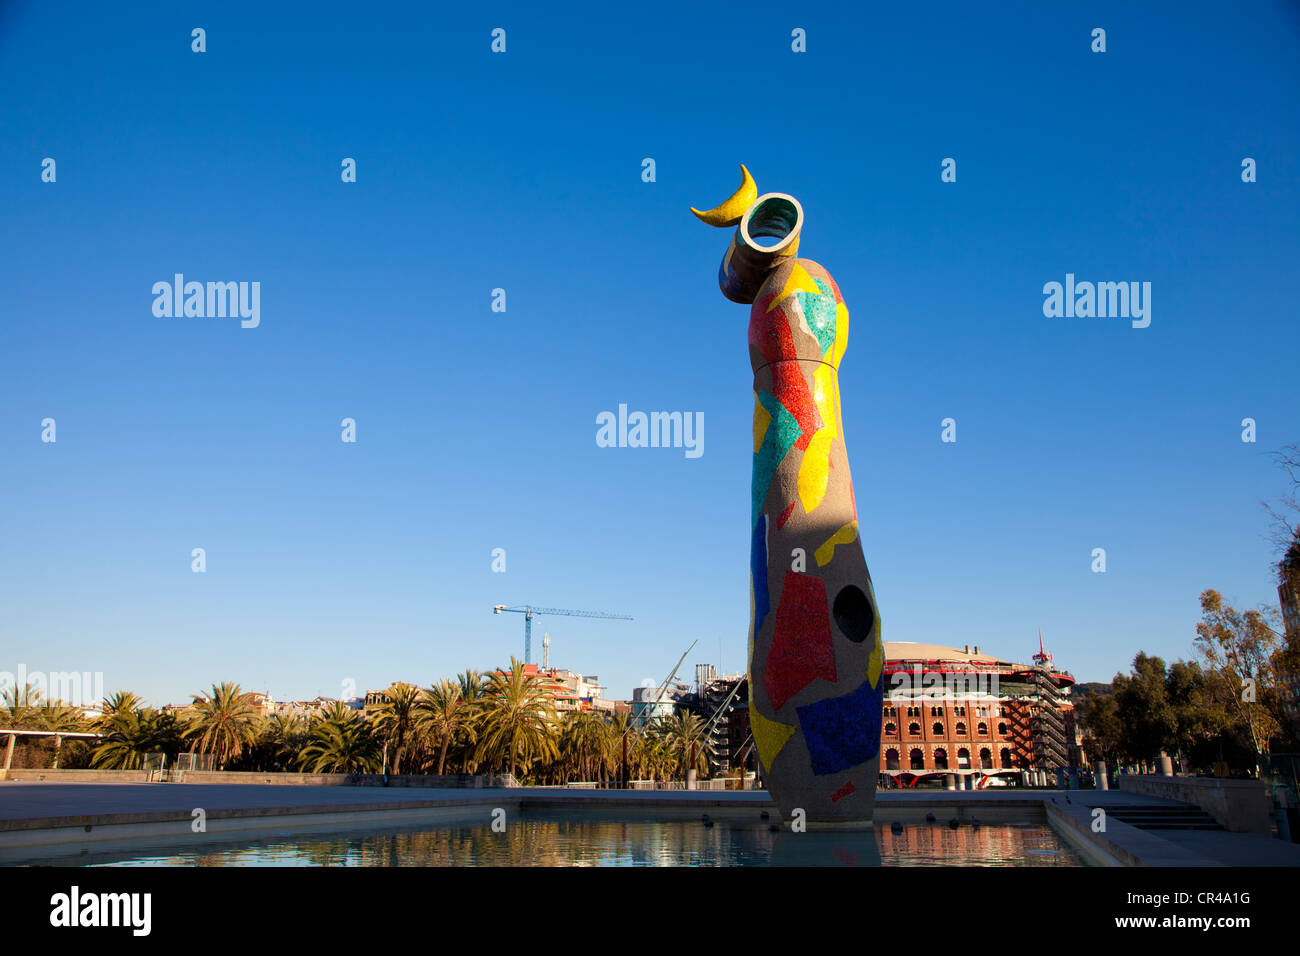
[[1164, 818], [1176, 826]]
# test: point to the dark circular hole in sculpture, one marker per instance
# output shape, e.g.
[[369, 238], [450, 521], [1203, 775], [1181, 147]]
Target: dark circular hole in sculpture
[[853, 613], [775, 219]]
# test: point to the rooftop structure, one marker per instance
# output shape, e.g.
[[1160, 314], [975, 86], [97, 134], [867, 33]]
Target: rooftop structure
[[651, 701]]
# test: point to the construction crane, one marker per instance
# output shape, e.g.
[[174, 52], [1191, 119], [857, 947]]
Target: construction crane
[[529, 612]]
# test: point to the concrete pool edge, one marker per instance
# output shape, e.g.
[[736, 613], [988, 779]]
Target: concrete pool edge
[[124, 836], [101, 830], [1120, 845]]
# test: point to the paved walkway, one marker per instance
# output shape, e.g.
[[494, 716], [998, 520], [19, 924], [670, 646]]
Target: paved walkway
[[1234, 849]]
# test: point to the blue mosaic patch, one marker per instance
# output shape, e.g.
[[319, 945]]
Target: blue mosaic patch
[[842, 732]]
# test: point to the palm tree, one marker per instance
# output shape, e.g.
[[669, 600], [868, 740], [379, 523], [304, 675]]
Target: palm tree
[[650, 756], [63, 718], [473, 691], [660, 758], [620, 729], [519, 722], [396, 720], [20, 708], [26, 708], [279, 740], [340, 746], [683, 735], [472, 684], [446, 711], [129, 734], [56, 716], [123, 700], [583, 746], [338, 712], [222, 723]]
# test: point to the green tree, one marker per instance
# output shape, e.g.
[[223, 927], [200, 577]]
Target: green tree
[[222, 723], [1286, 665], [26, 708], [473, 692], [655, 754], [519, 726], [1198, 718], [684, 738], [130, 734], [1238, 652], [338, 712], [584, 746], [1098, 715], [1144, 711], [20, 707], [446, 712], [621, 730], [341, 745], [279, 740], [56, 716], [396, 720], [122, 700]]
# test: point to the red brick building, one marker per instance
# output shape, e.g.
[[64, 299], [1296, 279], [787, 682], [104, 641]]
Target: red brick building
[[959, 711]]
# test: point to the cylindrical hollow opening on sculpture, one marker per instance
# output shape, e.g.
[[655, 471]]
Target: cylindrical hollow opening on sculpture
[[775, 216]]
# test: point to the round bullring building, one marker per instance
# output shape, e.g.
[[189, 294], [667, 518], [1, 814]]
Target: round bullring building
[[973, 720]]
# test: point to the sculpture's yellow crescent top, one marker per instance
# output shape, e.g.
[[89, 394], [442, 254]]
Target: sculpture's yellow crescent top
[[731, 211]]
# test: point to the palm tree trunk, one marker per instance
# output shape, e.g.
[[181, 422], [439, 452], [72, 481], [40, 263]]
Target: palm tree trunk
[[442, 755]]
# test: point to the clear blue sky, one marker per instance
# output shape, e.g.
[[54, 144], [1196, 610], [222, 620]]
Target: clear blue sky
[[370, 562]]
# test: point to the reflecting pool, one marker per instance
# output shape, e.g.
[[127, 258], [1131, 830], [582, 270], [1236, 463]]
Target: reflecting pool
[[591, 839]]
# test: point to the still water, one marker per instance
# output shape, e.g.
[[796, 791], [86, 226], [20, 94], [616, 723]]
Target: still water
[[589, 840]]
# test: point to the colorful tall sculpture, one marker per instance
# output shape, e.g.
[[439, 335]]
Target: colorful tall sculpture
[[815, 654]]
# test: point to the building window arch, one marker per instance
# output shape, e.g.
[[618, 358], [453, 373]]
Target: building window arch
[[1006, 758], [961, 728], [914, 729], [937, 729], [891, 759], [918, 759], [1002, 729], [983, 729], [941, 759], [963, 759], [891, 730], [986, 759]]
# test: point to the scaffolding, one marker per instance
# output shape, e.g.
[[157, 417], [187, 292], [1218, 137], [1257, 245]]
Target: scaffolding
[[1047, 725]]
